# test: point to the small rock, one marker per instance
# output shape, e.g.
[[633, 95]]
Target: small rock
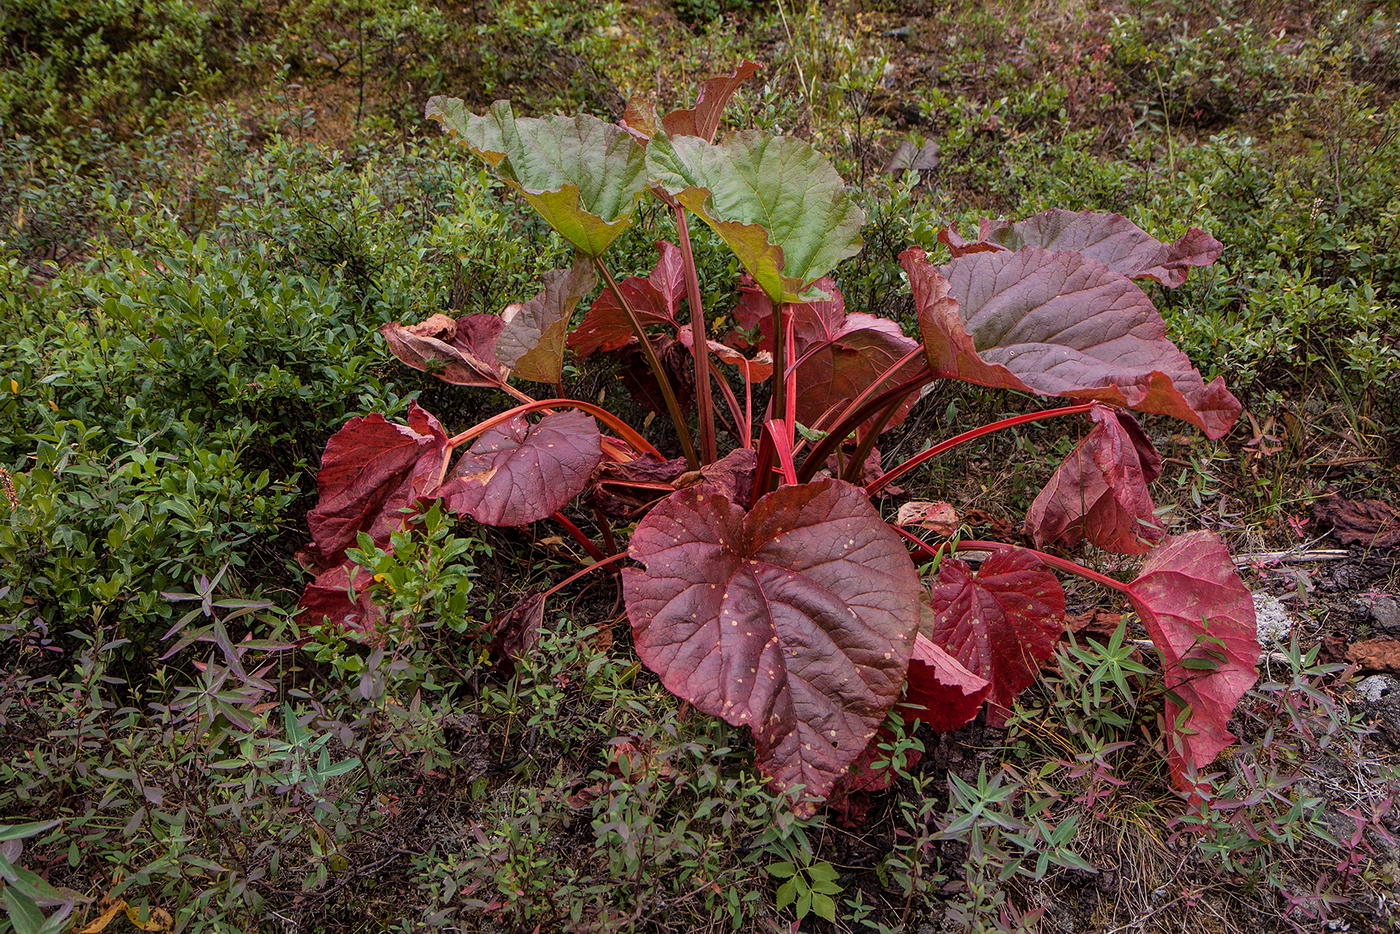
[[1377, 688], [1385, 612], [1275, 623]]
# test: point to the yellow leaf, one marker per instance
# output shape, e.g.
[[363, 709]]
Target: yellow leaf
[[157, 920], [104, 919], [14, 386]]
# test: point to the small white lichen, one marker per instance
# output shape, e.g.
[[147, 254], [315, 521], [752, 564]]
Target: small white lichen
[[1275, 624], [1378, 687]]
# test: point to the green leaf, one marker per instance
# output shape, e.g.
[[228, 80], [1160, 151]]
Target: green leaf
[[823, 906], [775, 200], [23, 912], [783, 870], [786, 893], [29, 829], [582, 174]]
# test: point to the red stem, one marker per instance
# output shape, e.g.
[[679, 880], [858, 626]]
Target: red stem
[[849, 422], [605, 526], [580, 573], [972, 544], [701, 348], [628, 433], [668, 392], [577, 535], [896, 472]]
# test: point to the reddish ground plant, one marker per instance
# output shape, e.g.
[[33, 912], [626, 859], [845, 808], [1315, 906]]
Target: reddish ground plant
[[762, 584]]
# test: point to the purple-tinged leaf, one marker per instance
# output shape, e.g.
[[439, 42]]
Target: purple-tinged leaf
[[941, 692], [1200, 615], [517, 473], [1000, 622], [795, 619], [842, 353], [1111, 239], [373, 470], [1058, 324], [461, 351], [624, 488], [531, 341], [1100, 491], [656, 300]]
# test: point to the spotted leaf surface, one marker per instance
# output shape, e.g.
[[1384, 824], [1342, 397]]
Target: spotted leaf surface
[[795, 619]]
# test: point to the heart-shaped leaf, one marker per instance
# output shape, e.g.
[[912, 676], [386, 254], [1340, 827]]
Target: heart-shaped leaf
[[461, 351], [531, 341], [702, 120], [372, 470], [1058, 324], [1000, 622], [341, 596], [517, 472], [583, 175], [656, 300], [1111, 239], [841, 353], [795, 619], [941, 692], [1100, 491], [1200, 615], [776, 201]]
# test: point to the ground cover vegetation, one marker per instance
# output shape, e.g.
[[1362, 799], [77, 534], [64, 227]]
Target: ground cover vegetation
[[803, 609]]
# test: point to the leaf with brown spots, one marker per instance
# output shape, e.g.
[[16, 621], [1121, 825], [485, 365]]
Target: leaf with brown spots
[[795, 619]]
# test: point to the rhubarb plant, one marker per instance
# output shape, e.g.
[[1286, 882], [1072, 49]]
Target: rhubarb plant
[[762, 583]]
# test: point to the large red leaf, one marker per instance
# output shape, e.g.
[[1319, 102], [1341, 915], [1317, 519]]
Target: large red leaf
[[1100, 491], [372, 470], [842, 353], [1000, 622], [655, 299], [795, 619], [531, 341], [341, 596], [1058, 324], [517, 472], [461, 351], [941, 692], [1200, 616], [1111, 239]]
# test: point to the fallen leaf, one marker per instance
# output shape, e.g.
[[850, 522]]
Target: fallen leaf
[[1360, 521], [1376, 654], [939, 517], [100, 923]]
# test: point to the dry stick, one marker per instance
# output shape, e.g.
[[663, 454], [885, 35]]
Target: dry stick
[[668, 393], [895, 473], [700, 349]]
